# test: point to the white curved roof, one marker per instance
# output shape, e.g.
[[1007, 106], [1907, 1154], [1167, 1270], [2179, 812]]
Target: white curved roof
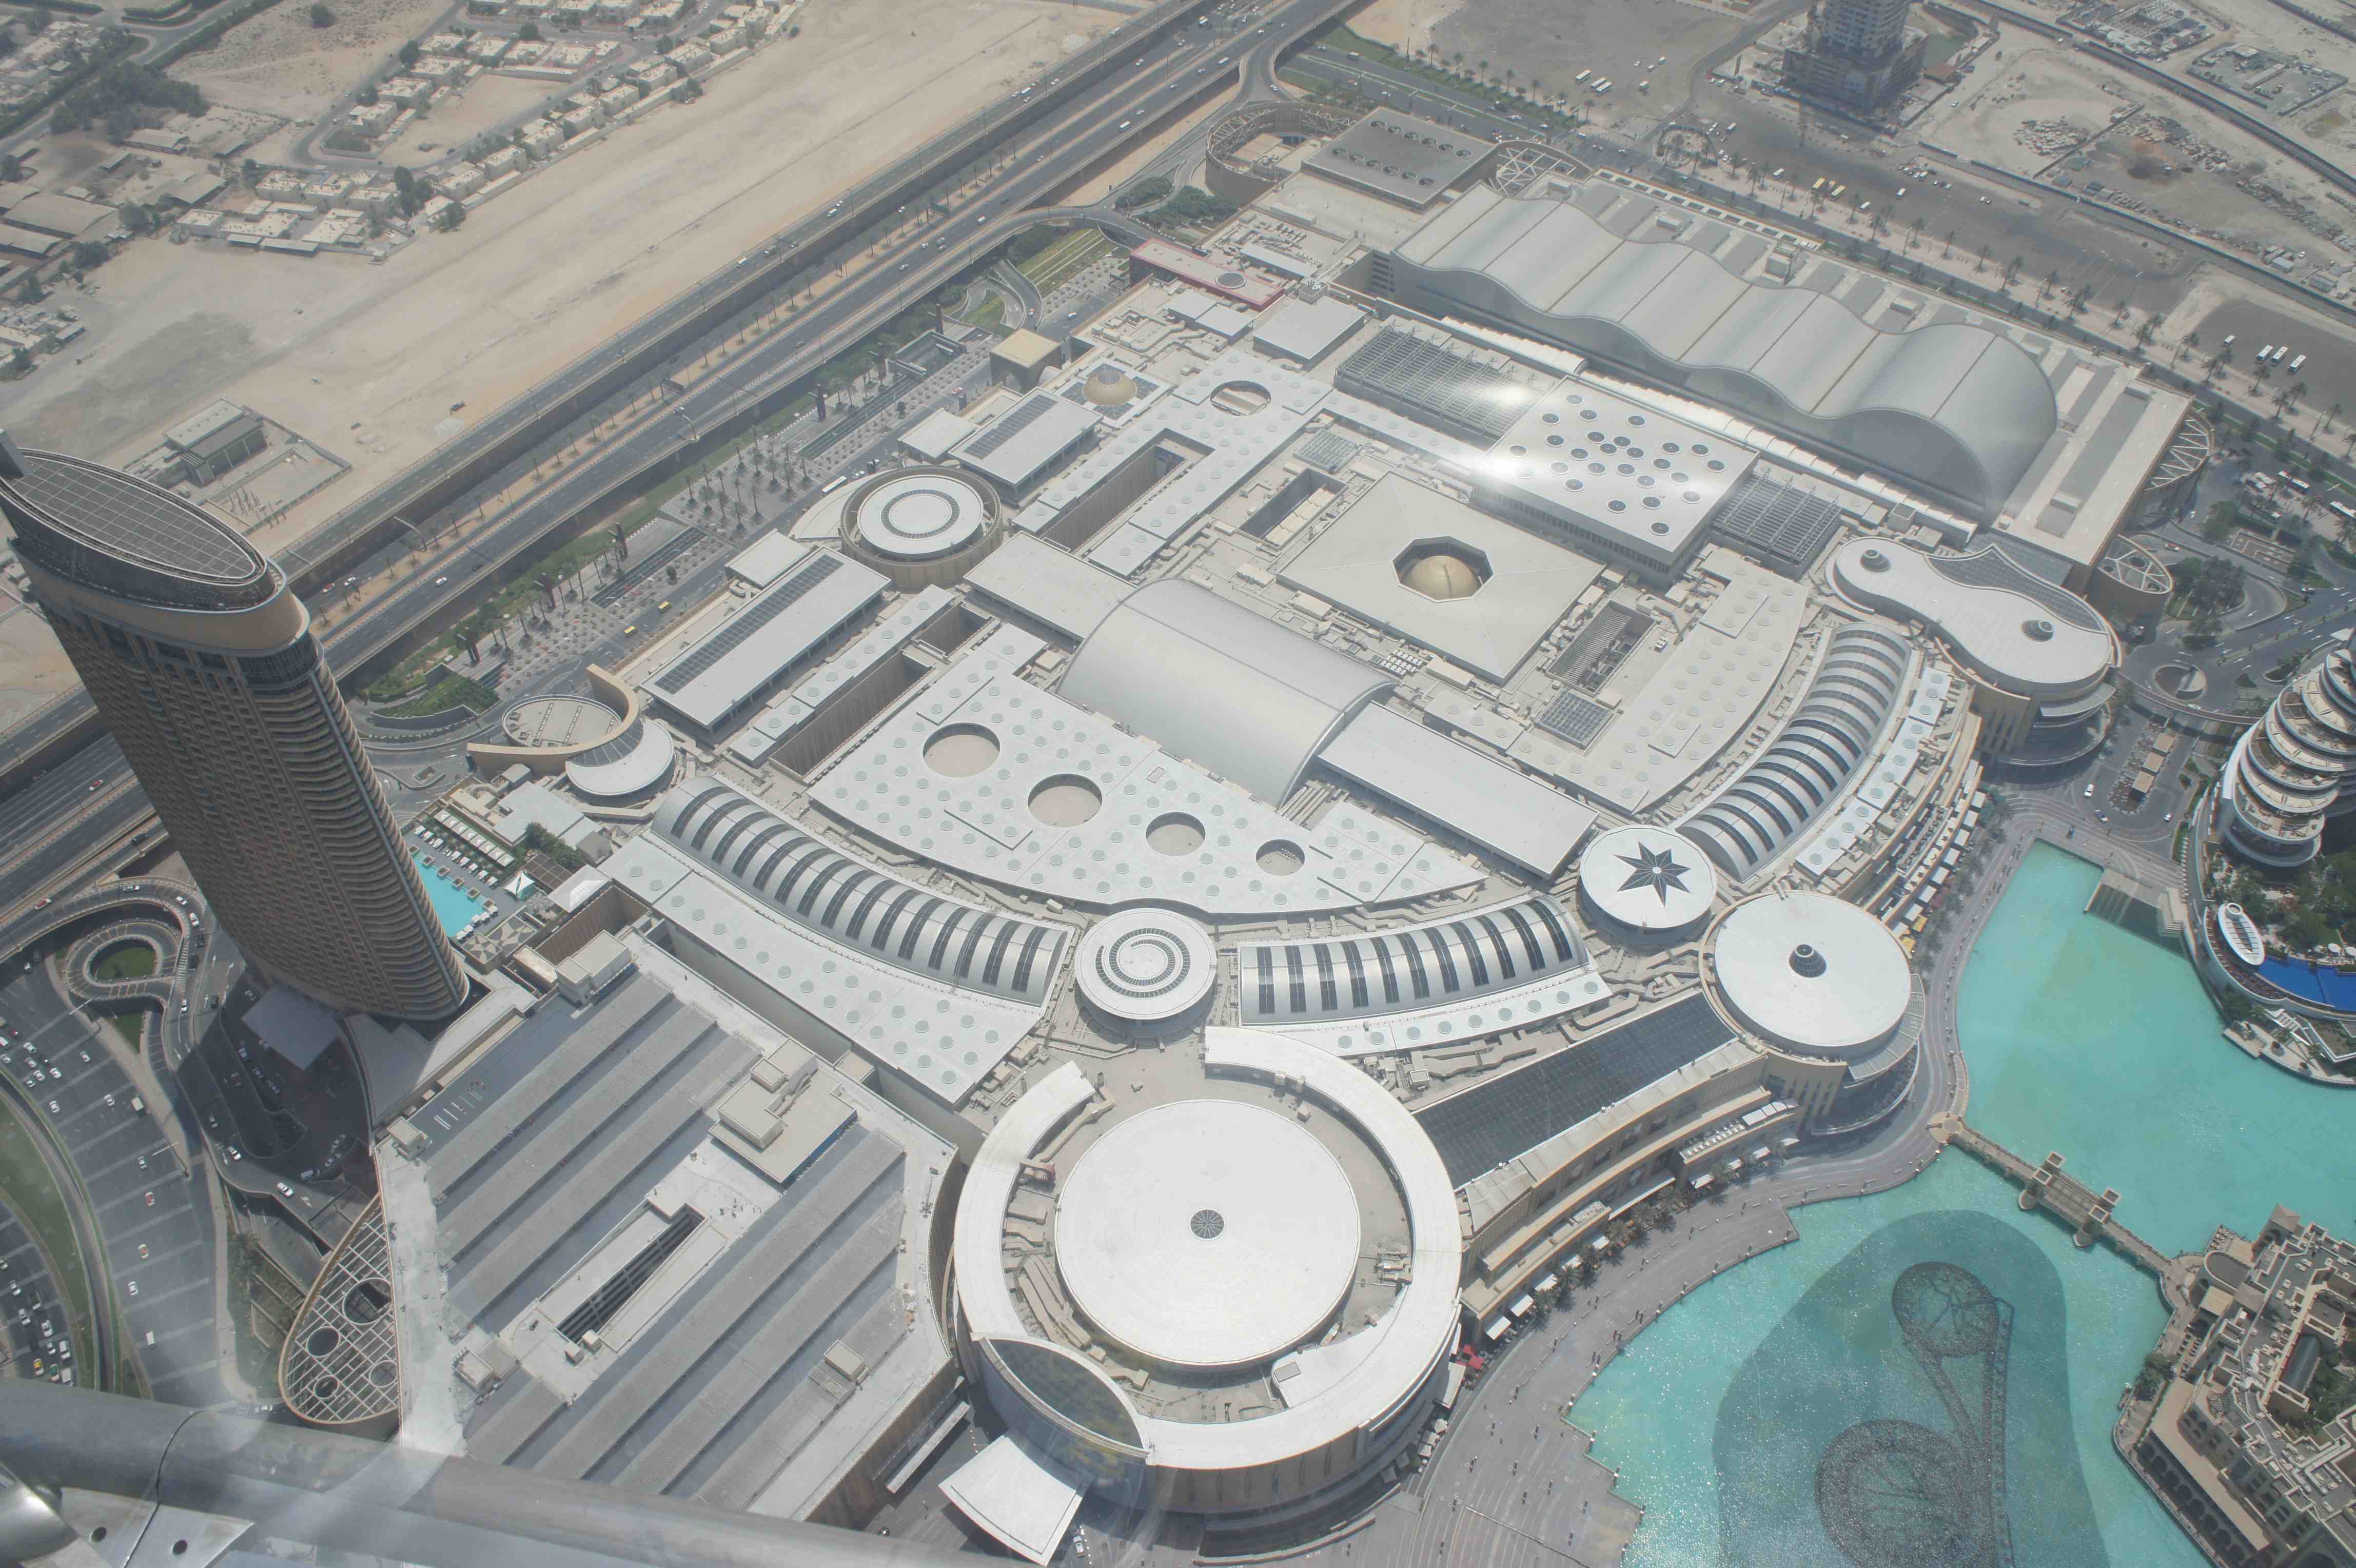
[[632, 762], [1956, 406], [1207, 1233], [1812, 972], [1654, 880], [919, 516], [1404, 1346], [2022, 633], [1219, 685], [1145, 964]]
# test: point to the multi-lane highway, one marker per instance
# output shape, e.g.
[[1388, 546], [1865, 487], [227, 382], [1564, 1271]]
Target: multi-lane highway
[[45, 829]]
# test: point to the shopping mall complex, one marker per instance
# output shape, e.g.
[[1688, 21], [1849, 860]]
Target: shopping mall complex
[[1165, 924]]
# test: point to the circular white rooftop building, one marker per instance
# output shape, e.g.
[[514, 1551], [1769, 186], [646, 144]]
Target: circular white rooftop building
[[921, 525], [1647, 879], [1811, 972], [1207, 1233], [1146, 965], [1164, 1300]]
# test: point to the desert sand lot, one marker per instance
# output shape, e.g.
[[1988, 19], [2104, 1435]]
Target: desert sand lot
[[280, 62], [1551, 41], [371, 362], [2040, 84]]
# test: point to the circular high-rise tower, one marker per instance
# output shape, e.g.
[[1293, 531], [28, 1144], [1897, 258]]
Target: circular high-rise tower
[[201, 661]]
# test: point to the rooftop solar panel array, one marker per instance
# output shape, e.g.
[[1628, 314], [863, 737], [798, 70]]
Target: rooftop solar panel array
[[1505, 1117], [1010, 425], [756, 616], [117, 512], [1780, 525], [1446, 390], [1329, 450], [1576, 719]]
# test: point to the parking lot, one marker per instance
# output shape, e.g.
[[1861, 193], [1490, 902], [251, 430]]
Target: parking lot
[[155, 1222], [28, 1304]]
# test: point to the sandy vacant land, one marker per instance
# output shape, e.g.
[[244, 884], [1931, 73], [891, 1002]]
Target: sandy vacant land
[[484, 104], [2044, 85], [33, 669], [1551, 41], [280, 62], [370, 361]]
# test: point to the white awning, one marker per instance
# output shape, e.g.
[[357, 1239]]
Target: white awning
[[1702, 1181], [1500, 1328], [1731, 1166], [1791, 1143], [1521, 1308], [1602, 1244], [1550, 1282], [1761, 1151], [1021, 1498]]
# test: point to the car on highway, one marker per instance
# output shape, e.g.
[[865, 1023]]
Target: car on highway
[[439, 581], [98, 783]]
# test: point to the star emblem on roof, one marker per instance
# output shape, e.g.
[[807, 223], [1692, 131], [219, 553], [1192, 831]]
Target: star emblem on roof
[[1654, 868]]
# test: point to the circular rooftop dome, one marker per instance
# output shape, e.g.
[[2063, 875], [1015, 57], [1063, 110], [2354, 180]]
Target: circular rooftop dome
[[1207, 1233], [1813, 972], [1440, 575], [1109, 385], [1146, 965], [1653, 879], [917, 516]]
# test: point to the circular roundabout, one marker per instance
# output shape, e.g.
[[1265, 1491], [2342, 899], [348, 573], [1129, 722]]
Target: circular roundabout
[[1207, 1233], [1145, 965]]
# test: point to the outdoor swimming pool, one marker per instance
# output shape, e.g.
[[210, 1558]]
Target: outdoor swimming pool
[[451, 905], [1797, 1378]]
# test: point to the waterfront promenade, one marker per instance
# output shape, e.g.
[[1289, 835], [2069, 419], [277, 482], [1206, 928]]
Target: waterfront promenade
[[1511, 1483]]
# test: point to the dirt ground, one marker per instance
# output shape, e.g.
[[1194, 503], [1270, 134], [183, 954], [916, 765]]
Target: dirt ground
[[280, 62], [485, 103], [34, 671], [2042, 84], [1404, 25], [369, 361], [1551, 41]]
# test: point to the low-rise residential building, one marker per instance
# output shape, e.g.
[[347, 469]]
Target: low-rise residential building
[[581, 122], [691, 57], [322, 194], [725, 39], [490, 48], [437, 213], [574, 12], [650, 74], [619, 102], [369, 120], [503, 161], [409, 92], [2247, 1437], [542, 137], [279, 185], [446, 44], [377, 200], [460, 181], [439, 70]]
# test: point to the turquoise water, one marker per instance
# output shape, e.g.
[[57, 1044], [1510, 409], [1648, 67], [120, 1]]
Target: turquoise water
[[2082, 1038], [451, 905]]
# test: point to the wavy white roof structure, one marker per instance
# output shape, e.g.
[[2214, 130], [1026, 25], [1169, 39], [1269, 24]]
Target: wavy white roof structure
[[1953, 406]]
